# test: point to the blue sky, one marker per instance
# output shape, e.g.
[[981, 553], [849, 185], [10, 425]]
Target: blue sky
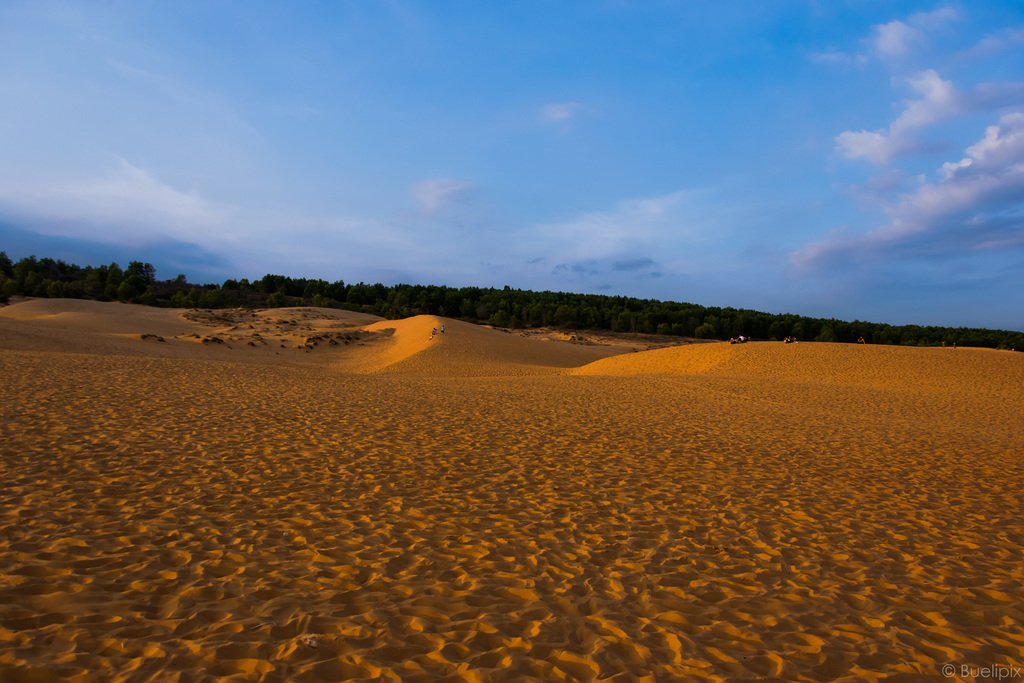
[[859, 160]]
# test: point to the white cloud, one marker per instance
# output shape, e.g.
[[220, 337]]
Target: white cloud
[[629, 223], [634, 238], [1002, 145], [950, 167], [436, 194], [939, 101], [127, 201], [894, 41], [128, 205], [897, 38], [934, 20], [963, 210], [558, 112], [875, 146], [995, 42]]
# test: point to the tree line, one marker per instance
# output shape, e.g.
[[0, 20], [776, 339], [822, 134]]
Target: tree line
[[507, 307]]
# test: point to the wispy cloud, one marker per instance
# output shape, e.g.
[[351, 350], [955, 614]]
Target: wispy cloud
[[632, 242], [123, 200], [629, 225], [837, 57], [975, 205], [436, 194], [898, 38], [129, 205], [634, 264], [893, 41], [559, 112], [995, 43]]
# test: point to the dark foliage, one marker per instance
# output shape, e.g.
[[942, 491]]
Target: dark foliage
[[507, 307]]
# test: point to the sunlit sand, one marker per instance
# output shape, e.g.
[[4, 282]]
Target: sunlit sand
[[319, 495]]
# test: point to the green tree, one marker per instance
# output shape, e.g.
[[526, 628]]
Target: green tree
[[216, 298], [564, 316], [25, 266], [115, 276], [129, 289], [625, 322], [321, 301], [34, 285], [145, 272], [180, 299], [56, 289], [359, 295], [93, 284], [778, 330], [705, 331], [277, 300], [827, 334]]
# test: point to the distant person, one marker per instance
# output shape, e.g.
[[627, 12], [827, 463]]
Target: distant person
[[442, 329]]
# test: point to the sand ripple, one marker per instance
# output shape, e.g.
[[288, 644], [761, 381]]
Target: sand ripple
[[186, 520]]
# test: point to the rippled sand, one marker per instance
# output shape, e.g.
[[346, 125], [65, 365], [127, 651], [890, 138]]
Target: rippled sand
[[483, 506]]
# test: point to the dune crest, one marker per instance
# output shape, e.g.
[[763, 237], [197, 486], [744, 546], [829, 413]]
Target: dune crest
[[417, 347], [847, 364]]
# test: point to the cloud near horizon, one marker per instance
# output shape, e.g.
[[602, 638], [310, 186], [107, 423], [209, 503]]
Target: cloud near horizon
[[632, 226], [128, 205], [123, 200]]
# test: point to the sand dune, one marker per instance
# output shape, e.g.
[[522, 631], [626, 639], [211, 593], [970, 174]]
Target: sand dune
[[486, 506], [862, 365], [417, 347]]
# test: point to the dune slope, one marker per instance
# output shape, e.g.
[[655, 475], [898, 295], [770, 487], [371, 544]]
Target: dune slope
[[417, 347], [718, 513]]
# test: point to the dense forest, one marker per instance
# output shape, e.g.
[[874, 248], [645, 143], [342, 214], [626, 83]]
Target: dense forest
[[510, 308]]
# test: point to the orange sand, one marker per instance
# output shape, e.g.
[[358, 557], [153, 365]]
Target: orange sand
[[488, 506]]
